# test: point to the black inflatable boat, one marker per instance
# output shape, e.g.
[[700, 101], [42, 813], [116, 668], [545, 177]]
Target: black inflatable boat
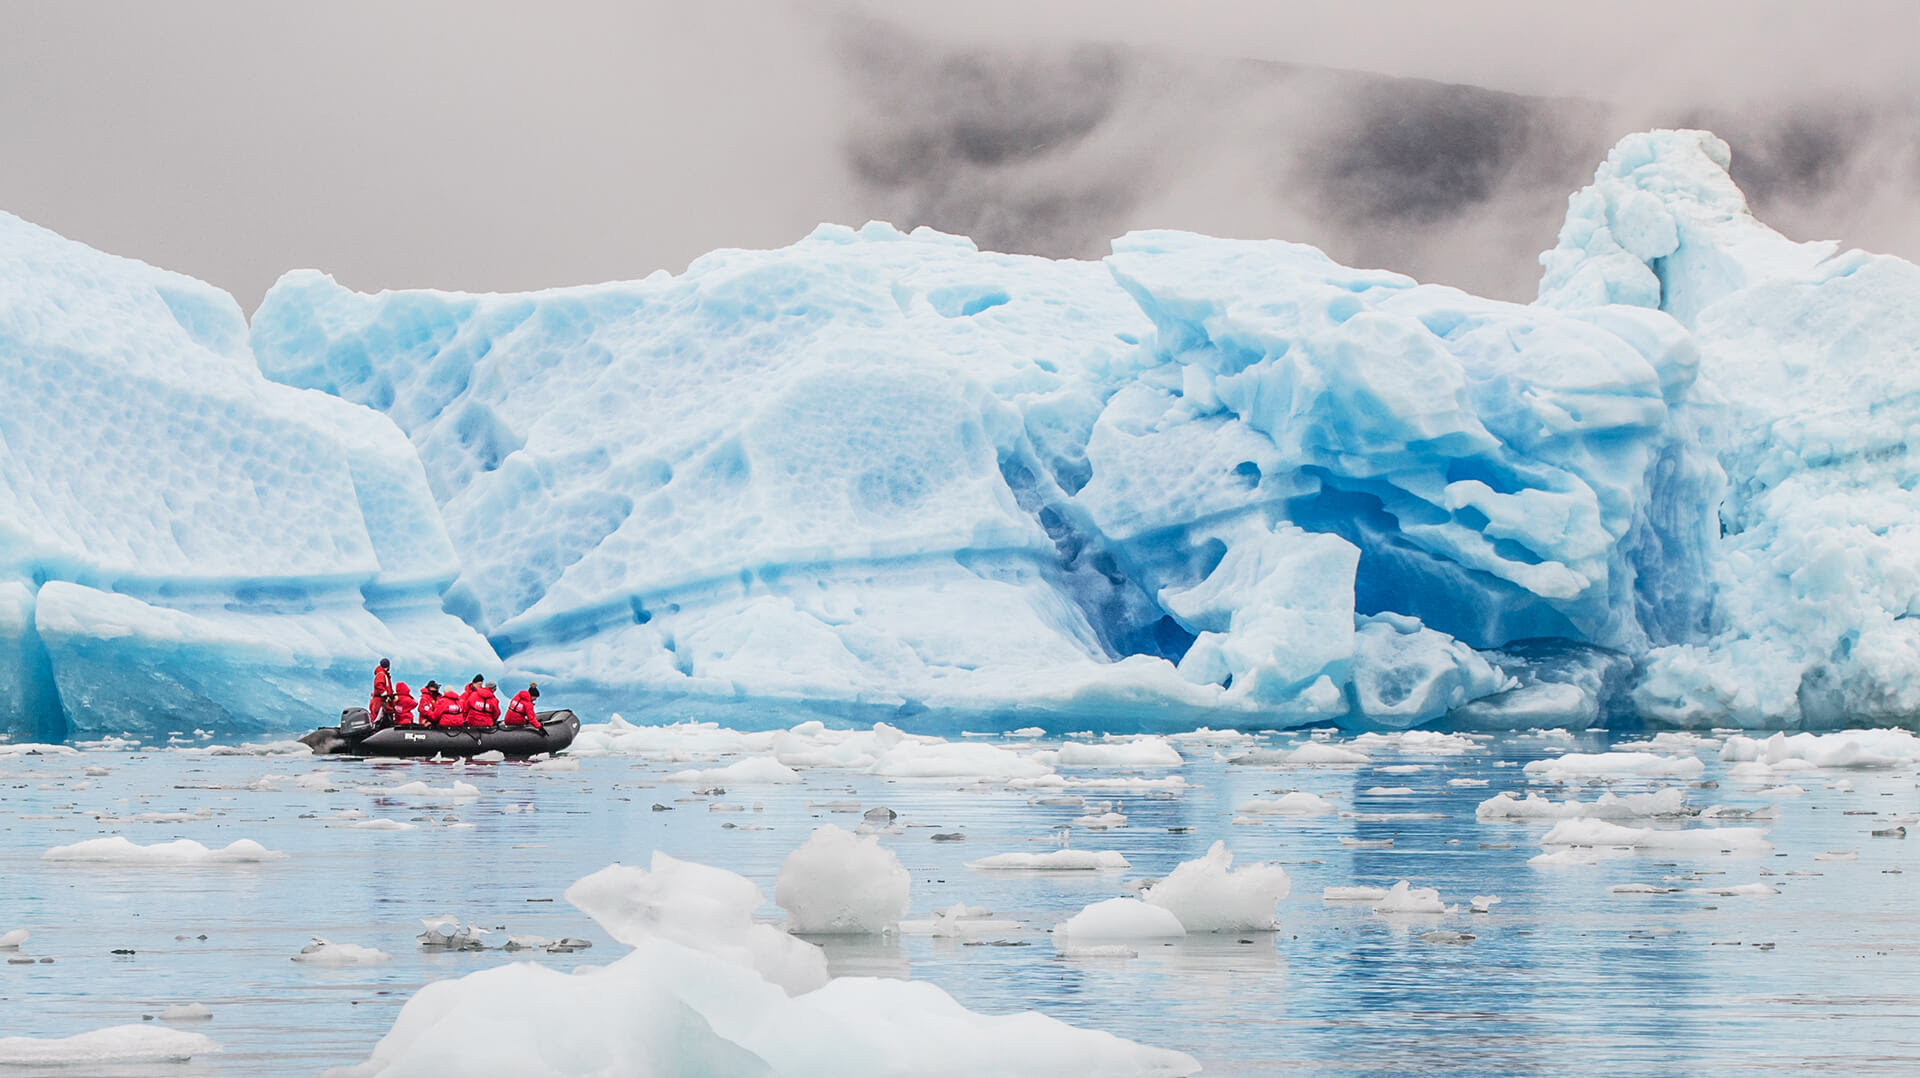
[[356, 736]]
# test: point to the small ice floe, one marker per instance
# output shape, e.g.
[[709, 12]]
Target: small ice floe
[[957, 760], [1297, 803], [1728, 812], [1115, 783], [1027, 732], [1366, 843], [1484, 903], [118, 850], [840, 883], [1418, 742], [1744, 890], [1600, 833], [1390, 817], [1310, 754], [1207, 894], [30, 748], [1591, 765], [444, 932], [94, 771], [1467, 783], [1069, 949], [381, 824], [11, 941], [116, 1046], [1103, 822], [526, 943], [1353, 894], [1837, 855], [325, 952], [459, 789], [1388, 791], [754, 770], [1134, 752], [1866, 749], [187, 1012], [491, 756], [1404, 898], [325, 781], [558, 765], [879, 815], [1891, 832], [1610, 806], [1783, 791], [1053, 861], [1640, 889], [1117, 919]]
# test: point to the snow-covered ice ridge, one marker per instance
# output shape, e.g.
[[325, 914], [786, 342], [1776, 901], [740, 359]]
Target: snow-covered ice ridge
[[890, 476]]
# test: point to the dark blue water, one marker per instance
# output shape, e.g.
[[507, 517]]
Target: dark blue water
[[1561, 977]]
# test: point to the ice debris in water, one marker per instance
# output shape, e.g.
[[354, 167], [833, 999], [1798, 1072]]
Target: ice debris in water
[[1602, 834], [959, 920], [325, 952], [116, 1046], [1133, 752], [1208, 895], [1610, 806], [183, 852], [1353, 894], [1053, 861], [1639, 765], [187, 1012], [1402, 897], [1117, 919], [841, 883], [1297, 803], [11, 941]]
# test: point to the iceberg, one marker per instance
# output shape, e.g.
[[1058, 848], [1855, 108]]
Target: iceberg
[[880, 476], [183, 543]]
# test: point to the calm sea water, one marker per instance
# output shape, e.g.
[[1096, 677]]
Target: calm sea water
[[1561, 976]]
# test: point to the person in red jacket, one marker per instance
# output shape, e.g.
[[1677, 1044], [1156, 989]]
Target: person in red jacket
[[483, 707], [403, 705], [380, 704], [520, 711], [429, 703], [450, 713]]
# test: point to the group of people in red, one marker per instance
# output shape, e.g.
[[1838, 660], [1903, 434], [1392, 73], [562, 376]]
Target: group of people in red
[[477, 705]]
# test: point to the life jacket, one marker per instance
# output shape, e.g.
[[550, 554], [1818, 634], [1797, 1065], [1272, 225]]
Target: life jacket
[[451, 713], [482, 707], [403, 705], [520, 711]]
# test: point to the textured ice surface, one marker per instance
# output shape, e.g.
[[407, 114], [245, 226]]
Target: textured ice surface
[[118, 1046], [882, 472], [184, 543], [1118, 919], [841, 883], [1208, 894], [181, 852]]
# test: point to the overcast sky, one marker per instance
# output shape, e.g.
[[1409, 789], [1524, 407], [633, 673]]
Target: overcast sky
[[494, 146]]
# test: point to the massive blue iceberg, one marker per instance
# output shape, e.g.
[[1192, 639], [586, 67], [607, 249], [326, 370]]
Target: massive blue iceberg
[[887, 475]]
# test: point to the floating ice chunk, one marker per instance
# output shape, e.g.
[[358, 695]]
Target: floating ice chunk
[[957, 760], [11, 941], [1120, 919], [1484, 903], [1842, 749], [707, 909], [1053, 861], [187, 1012], [1640, 889], [1583, 765], [1402, 897], [1837, 855], [491, 756], [1388, 791], [1103, 822], [839, 883], [119, 850], [755, 770], [1416, 742], [417, 788], [1208, 895], [1610, 806], [1600, 833], [318, 780], [115, 1046], [1783, 791], [1353, 894], [29, 748], [1135, 752], [1297, 803], [325, 952], [1466, 783], [381, 824], [959, 921], [563, 765], [1742, 890]]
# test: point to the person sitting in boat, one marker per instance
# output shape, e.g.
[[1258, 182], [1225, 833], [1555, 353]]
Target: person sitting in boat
[[380, 704], [520, 711], [429, 703], [450, 714], [482, 706], [403, 705]]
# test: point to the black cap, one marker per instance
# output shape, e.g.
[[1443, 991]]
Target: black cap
[[386, 662]]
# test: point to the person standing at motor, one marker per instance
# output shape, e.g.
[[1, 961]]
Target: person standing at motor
[[380, 704], [520, 711]]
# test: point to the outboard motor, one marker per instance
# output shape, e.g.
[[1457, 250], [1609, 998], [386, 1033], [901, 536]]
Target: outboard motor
[[354, 722]]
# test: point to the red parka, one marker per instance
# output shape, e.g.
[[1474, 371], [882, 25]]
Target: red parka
[[482, 706], [520, 711], [403, 704]]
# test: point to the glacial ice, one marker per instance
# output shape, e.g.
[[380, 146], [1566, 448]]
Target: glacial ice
[[888, 476], [1208, 894], [117, 1047], [840, 883], [180, 853]]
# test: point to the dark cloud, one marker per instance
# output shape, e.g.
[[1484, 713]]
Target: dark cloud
[[489, 145]]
